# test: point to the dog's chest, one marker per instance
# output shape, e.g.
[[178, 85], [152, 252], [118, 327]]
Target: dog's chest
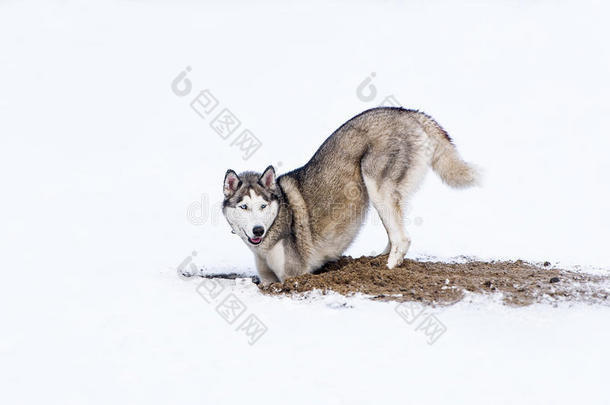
[[276, 258]]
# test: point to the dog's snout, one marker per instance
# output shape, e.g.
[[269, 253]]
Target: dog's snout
[[258, 230]]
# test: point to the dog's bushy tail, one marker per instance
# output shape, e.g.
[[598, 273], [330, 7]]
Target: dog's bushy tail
[[445, 159]]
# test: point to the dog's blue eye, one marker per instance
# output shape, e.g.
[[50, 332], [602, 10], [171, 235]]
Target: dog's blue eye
[[243, 206], [263, 206]]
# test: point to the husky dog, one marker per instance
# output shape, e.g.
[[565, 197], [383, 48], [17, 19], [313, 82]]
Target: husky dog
[[297, 222]]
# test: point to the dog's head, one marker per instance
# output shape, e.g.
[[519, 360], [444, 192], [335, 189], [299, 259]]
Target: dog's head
[[251, 203]]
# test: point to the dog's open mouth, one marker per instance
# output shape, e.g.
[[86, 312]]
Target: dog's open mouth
[[255, 241]]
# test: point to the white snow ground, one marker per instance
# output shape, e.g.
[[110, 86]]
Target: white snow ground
[[100, 161]]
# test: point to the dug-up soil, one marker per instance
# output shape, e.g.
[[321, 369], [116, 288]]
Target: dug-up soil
[[437, 283]]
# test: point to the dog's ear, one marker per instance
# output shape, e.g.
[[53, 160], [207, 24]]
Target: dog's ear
[[231, 183], [267, 179]]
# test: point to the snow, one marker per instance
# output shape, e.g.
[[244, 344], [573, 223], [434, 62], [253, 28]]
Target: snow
[[100, 162]]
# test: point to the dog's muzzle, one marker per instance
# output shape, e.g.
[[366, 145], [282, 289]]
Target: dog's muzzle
[[258, 232]]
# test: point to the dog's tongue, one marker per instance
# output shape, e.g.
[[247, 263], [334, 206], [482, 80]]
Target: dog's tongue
[[255, 240]]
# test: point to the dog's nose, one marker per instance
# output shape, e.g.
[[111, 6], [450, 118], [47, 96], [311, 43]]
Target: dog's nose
[[258, 230]]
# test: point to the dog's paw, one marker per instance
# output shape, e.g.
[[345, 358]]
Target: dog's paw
[[266, 281], [397, 253], [395, 259]]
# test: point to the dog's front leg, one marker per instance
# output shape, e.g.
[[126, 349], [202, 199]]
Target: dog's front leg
[[276, 260], [266, 275], [285, 260], [282, 260]]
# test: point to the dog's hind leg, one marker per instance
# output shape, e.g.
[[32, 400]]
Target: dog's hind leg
[[387, 202]]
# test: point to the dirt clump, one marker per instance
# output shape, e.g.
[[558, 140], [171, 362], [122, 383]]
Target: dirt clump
[[439, 283]]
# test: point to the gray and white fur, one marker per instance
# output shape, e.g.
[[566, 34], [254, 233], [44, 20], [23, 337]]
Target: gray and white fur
[[298, 221]]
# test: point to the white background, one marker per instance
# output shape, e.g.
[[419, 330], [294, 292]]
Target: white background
[[99, 161]]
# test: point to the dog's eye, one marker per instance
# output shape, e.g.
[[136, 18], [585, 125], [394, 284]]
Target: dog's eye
[[263, 206], [243, 207]]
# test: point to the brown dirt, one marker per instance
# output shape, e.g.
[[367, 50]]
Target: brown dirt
[[438, 283]]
